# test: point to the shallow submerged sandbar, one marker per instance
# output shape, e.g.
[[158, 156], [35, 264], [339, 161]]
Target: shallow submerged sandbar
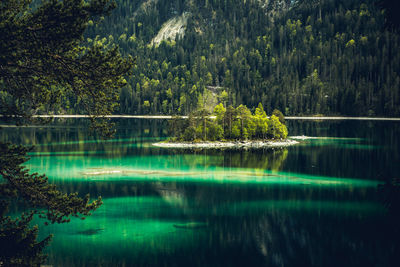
[[224, 176], [229, 144], [173, 173], [133, 172]]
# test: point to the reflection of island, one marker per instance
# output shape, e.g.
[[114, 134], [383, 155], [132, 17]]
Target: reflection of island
[[262, 159]]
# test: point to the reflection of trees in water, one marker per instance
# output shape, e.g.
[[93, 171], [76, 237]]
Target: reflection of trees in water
[[389, 194], [245, 231], [208, 196], [282, 238], [369, 149], [240, 224], [264, 159], [131, 138], [63, 130]]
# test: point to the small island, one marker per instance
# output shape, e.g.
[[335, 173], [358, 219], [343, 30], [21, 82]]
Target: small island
[[228, 128]]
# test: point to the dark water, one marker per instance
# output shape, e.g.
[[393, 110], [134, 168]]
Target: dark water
[[313, 204]]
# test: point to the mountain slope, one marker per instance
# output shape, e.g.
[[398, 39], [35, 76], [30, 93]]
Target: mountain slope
[[302, 57]]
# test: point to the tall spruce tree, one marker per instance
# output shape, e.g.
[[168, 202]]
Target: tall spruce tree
[[43, 57]]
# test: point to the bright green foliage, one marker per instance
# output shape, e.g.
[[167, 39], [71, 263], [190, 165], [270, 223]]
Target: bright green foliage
[[230, 124], [146, 107], [276, 129], [45, 66], [350, 43], [214, 131], [250, 130], [223, 97], [279, 114], [235, 132], [219, 112], [261, 122], [246, 123], [260, 111]]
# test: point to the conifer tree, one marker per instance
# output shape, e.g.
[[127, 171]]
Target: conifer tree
[[42, 58]]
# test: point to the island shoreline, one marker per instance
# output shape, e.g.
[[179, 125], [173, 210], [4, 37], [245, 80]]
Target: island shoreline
[[228, 144]]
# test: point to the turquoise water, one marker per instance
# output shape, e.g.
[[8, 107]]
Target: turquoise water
[[314, 204]]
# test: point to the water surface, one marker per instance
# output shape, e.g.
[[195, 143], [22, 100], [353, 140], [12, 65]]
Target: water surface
[[313, 204]]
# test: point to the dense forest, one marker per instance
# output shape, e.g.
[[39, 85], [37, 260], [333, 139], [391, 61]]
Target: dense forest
[[302, 57]]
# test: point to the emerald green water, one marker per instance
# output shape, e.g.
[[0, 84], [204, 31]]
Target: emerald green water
[[313, 204]]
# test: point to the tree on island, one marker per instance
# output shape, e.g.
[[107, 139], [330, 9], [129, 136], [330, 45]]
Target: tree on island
[[43, 58], [229, 124], [246, 125]]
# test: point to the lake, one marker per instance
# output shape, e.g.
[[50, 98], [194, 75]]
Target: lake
[[317, 203]]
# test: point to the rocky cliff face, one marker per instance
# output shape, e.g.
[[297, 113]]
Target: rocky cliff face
[[172, 29]]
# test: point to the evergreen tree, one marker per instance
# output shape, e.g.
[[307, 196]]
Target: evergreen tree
[[43, 59]]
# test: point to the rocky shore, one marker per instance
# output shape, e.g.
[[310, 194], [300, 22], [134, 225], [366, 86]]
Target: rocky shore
[[229, 144]]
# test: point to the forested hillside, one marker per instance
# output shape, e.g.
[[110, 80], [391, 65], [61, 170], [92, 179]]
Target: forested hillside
[[301, 57]]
